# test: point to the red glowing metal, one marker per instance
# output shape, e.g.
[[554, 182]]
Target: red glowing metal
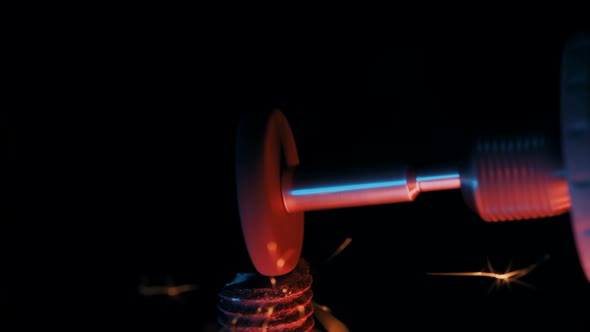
[[274, 238], [254, 302], [505, 179], [293, 315], [516, 179]]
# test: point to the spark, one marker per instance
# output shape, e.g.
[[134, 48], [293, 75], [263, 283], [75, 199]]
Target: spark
[[501, 279], [323, 314], [339, 249], [301, 309], [169, 290], [266, 322], [327, 319]]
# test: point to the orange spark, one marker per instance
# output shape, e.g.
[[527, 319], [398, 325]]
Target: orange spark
[[327, 319], [501, 279], [170, 289], [166, 290], [339, 249]]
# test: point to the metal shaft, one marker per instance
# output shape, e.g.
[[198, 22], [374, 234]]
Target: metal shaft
[[306, 190], [505, 179]]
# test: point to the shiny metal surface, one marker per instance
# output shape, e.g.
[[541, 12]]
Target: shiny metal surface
[[515, 179], [575, 139], [504, 179], [306, 190], [273, 237]]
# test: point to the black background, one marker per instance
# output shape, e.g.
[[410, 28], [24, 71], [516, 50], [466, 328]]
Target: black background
[[154, 145]]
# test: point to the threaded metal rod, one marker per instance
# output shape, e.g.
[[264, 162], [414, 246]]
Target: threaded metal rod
[[515, 179]]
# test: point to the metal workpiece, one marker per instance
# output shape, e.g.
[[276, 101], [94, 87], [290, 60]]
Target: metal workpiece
[[502, 178], [575, 138], [515, 178], [311, 189]]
